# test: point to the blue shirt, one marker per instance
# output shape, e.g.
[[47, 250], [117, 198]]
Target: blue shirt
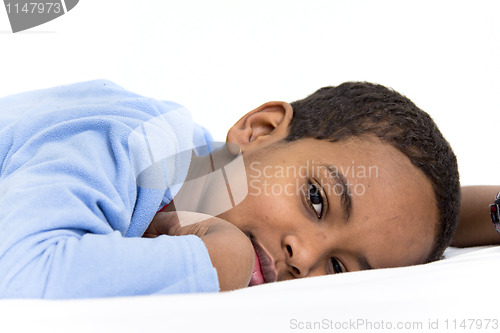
[[75, 196]]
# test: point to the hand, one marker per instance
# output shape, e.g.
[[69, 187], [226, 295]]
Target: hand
[[231, 252], [180, 223]]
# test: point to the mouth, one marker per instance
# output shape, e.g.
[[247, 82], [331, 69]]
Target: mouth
[[263, 271]]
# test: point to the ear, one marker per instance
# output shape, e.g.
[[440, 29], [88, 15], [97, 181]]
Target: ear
[[263, 126]]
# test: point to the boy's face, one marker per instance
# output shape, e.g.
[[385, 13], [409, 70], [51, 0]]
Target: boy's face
[[315, 207]]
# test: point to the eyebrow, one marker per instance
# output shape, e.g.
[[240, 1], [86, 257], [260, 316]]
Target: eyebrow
[[363, 263], [345, 196], [346, 202]]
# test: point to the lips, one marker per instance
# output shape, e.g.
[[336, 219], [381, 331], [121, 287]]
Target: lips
[[263, 271]]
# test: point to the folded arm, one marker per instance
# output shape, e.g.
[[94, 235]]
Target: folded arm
[[230, 250], [65, 209]]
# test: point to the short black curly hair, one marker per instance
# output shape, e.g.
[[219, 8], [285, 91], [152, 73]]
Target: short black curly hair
[[361, 108]]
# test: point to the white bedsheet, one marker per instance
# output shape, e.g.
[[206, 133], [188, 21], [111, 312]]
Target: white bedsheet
[[447, 296]]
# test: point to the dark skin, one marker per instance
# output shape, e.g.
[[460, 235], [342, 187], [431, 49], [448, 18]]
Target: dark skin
[[232, 253], [392, 222], [475, 227], [230, 250]]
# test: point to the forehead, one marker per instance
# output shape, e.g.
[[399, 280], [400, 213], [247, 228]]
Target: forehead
[[394, 210]]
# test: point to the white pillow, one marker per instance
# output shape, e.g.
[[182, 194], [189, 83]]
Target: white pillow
[[458, 294]]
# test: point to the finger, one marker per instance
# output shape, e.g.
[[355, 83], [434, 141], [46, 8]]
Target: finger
[[188, 218], [161, 224]]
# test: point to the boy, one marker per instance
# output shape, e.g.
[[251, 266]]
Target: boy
[[79, 176]]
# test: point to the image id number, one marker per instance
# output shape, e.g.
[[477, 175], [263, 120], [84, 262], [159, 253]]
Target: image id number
[[34, 7]]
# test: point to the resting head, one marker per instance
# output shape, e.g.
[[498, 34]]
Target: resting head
[[352, 177]]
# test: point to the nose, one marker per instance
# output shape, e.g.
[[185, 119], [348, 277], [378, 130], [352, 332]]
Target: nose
[[302, 257]]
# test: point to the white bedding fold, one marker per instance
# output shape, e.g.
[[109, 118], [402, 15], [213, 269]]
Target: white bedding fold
[[458, 290]]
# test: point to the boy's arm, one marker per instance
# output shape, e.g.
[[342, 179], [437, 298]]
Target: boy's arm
[[230, 250], [75, 194], [65, 208], [475, 227]]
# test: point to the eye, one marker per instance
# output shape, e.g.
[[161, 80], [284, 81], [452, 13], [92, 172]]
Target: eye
[[337, 267], [315, 200]]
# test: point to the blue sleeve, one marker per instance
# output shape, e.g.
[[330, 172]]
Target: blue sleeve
[[68, 199]]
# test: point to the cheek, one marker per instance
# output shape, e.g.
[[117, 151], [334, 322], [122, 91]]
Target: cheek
[[422, 242], [268, 209], [396, 242]]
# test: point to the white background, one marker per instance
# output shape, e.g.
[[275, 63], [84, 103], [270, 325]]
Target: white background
[[223, 58]]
